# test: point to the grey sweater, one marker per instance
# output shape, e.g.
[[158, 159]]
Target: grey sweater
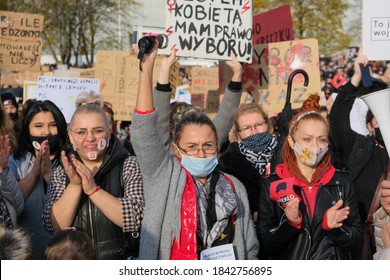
[[164, 182]]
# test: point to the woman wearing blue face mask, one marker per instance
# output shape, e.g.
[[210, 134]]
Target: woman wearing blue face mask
[[191, 208], [316, 216], [248, 158]]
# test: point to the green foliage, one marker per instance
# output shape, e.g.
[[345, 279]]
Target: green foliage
[[322, 20]]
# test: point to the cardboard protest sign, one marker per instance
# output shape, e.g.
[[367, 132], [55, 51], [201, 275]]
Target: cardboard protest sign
[[9, 79], [376, 29], [20, 41], [268, 30], [64, 91], [272, 65], [211, 29], [197, 100], [118, 72], [204, 79], [87, 73], [212, 104]]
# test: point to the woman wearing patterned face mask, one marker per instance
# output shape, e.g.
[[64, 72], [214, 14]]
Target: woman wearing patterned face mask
[[317, 217], [191, 207], [248, 158]]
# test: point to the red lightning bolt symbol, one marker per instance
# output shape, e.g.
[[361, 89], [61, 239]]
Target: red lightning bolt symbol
[[169, 30], [245, 8], [103, 85]]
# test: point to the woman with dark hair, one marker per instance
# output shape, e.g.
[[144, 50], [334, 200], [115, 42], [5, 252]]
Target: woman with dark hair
[[42, 136], [316, 215], [192, 209]]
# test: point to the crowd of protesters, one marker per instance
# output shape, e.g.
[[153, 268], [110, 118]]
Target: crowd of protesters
[[171, 184]]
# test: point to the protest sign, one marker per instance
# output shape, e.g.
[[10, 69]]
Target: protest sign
[[118, 72], [64, 91], [211, 29], [268, 30], [87, 73], [197, 100], [267, 76], [29, 90], [212, 104], [20, 41], [9, 79], [204, 79], [376, 29]]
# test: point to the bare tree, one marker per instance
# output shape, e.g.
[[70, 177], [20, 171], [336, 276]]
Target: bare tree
[[75, 28]]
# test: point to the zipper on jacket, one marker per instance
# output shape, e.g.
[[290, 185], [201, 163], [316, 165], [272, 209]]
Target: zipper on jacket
[[308, 250], [91, 224]]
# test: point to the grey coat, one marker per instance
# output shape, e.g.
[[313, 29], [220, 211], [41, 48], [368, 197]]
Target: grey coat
[[164, 182]]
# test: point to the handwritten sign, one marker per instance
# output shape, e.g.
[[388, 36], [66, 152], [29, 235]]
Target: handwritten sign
[[118, 72], [267, 77], [204, 79], [376, 29], [63, 91], [268, 30], [20, 41], [212, 104], [209, 28]]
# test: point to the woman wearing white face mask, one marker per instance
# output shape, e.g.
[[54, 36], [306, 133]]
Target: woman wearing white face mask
[[190, 206], [308, 209]]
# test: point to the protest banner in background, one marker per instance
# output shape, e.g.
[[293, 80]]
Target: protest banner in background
[[212, 104], [204, 79], [268, 30], [87, 73], [118, 72], [16, 79], [20, 41], [266, 78], [63, 91], [376, 29], [211, 29]]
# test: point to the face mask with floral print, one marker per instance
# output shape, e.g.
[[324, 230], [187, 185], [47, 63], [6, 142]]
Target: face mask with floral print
[[310, 156]]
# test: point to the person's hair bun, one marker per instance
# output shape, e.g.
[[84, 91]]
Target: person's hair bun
[[312, 102]]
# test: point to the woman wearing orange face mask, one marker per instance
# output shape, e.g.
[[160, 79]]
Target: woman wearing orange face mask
[[317, 216]]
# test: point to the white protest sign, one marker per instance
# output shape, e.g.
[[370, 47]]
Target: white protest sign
[[222, 252], [64, 91], [211, 29], [376, 29]]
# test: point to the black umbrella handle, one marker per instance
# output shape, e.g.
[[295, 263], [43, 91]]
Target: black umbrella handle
[[290, 80]]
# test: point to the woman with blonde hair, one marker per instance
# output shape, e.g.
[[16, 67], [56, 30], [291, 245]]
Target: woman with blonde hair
[[248, 158]]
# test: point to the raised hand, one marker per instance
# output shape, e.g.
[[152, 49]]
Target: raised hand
[[5, 152], [337, 214], [166, 64], [236, 68]]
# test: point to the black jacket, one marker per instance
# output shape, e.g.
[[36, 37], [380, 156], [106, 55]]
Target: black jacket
[[107, 237], [356, 150], [233, 162], [280, 240]]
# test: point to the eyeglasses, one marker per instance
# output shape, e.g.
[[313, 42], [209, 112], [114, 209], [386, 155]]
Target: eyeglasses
[[248, 128], [209, 149], [97, 132]]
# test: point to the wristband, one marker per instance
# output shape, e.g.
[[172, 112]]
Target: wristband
[[95, 190]]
